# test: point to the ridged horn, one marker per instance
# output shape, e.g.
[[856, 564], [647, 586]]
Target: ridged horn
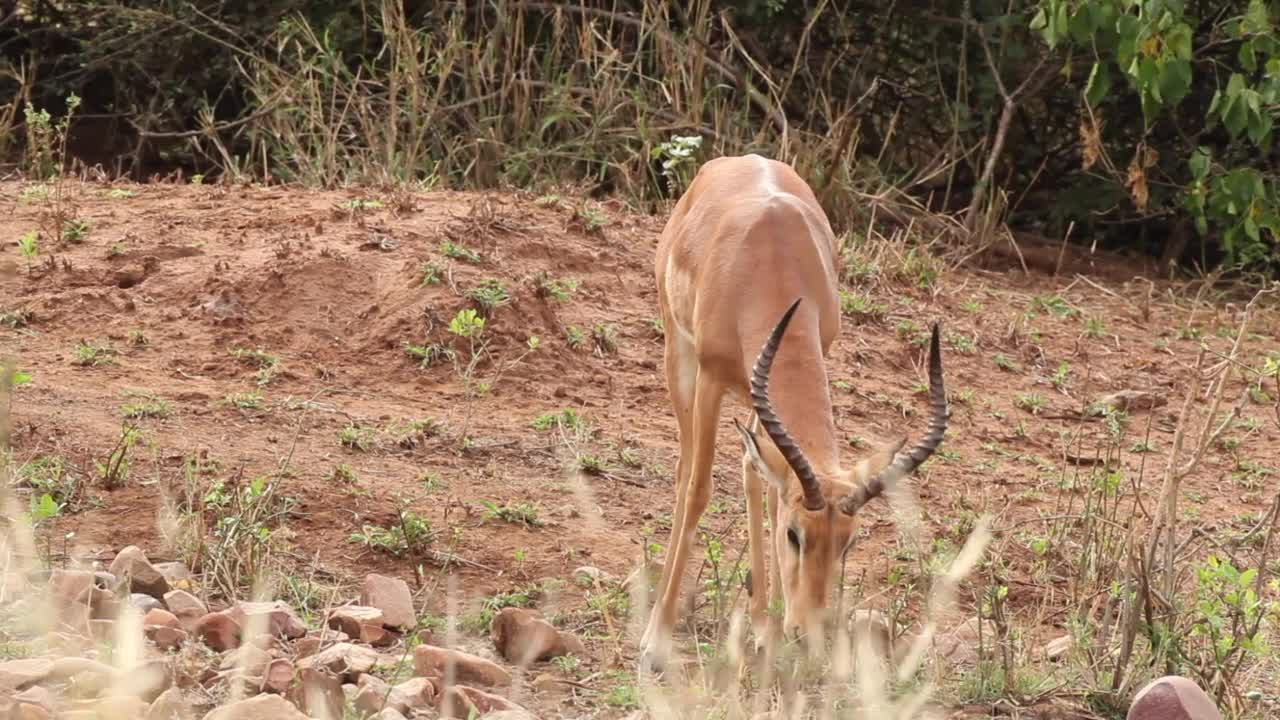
[[906, 463], [772, 425]]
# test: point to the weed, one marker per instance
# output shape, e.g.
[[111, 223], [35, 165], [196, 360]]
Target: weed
[[137, 338], [120, 193], [455, 251], [15, 319], [356, 437], [29, 247], [1061, 376], [245, 401], [88, 354], [268, 364], [593, 219], [75, 231], [574, 336], [408, 535], [114, 470], [971, 306], [1032, 402], [518, 514], [962, 344], [432, 274], [1053, 305], [489, 295], [605, 338], [1095, 328], [860, 306], [467, 324], [343, 474], [678, 157], [428, 355], [147, 407], [568, 418], [50, 475], [555, 289]]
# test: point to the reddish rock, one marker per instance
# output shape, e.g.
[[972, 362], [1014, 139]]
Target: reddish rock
[[168, 706], [259, 707], [373, 694], [278, 677], [392, 597], [219, 630], [418, 692], [431, 661], [345, 660], [523, 637], [275, 618], [132, 566], [471, 699], [186, 607], [163, 618], [1172, 698], [306, 647], [319, 693], [166, 638], [350, 619], [248, 659]]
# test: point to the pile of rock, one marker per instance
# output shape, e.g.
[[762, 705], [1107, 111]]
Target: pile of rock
[[260, 656]]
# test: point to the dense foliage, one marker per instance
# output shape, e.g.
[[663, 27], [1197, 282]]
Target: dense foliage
[[1144, 124]]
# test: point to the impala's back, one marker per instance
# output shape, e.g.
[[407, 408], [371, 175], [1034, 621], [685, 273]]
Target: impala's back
[[747, 238]]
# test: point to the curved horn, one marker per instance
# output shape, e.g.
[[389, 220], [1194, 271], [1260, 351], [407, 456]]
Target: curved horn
[[764, 410], [905, 464]]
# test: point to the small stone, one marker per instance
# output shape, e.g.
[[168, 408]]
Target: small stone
[[220, 631], [306, 647], [1058, 647], [70, 586], [276, 618], [160, 618], [962, 645], [345, 660], [431, 661], [392, 597], [1173, 698], [319, 693], [19, 674], [166, 638], [35, 695], [523, 637], [131, 565], [278, 676], [350, 618], [120, 707], [259, 707], [419, 693], [389, 713], [521, 714], [148, 681], [247, 659], [177, 574], [169, 706], [373, 694], [875, 628], [589, 574], [186, 607], [145, 603], [487, 703]]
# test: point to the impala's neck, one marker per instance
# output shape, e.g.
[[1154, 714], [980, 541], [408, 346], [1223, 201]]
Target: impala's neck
[[801, 397]]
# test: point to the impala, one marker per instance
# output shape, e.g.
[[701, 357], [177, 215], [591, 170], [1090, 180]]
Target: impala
[[746, 260]]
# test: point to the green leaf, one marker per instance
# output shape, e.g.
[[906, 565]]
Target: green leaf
[[1178, 41], [1175, 81], [1099, 84], [1256, 19], [1260, 124], [20, 378], [1199, 163], [1248, 59]]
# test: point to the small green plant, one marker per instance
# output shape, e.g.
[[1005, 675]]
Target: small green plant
[[518, 514], [120, 193], [1004, 363], [568, 418], [47, 139], [555, 289], [971, 306], [489, 295], [245, 401], [432, 274], [467, 324], [146, 407], [1053, 305], [88, 354], [29, 246], [114, 470], [409, 535], [962, 344], [860, 306], [138, 339], [605, 337], [1095, 328], [679, 158], [574, 336], [455, 251], [268, 365], [428, 355], [75, 231], [356, 437], [1032, 402], [593, 218], [343, 474], [15, 319], [117, 248], [1061, 376]]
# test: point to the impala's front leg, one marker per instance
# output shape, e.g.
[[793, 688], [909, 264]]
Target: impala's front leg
[[754, 489], [655, 647]]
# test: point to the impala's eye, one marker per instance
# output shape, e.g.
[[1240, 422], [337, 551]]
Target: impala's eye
[[793, 537]]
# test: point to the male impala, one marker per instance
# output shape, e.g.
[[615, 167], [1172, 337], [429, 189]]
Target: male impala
[[747, 254]]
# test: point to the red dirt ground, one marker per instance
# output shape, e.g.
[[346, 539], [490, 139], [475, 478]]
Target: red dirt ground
[[201, 270]]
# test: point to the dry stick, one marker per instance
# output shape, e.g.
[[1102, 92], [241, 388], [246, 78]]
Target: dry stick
[[1002, 129]]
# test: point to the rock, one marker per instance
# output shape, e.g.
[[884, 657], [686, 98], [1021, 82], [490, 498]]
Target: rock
[[456, 704], [392, 597], [523, 637], [120, 707], [277, 677], [319, 693], [306, 647], [963, 644], [178, 574], [249, 660], [431, 661], [169, 706], [70, 586], [166, 638], [275, 618], [345, 660], [220, 631], [875, 628], [186, 607], [145, 603], [377, 636], [31, 712], [486, 703], [1058, 647], [389, 713], [259, 707], [35, 695], [350, 618], [419, 693], [373, 694], [160, 618], [102, 630], [20, 674], [104, 604], [132, 566], [1172, 698], [508, 715], [148, 681], [1128, 401]]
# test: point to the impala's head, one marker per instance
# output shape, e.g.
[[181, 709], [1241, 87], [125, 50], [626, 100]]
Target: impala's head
[[815, 522]]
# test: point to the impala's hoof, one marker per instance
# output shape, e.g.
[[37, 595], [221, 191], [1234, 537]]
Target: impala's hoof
[[653, 655]]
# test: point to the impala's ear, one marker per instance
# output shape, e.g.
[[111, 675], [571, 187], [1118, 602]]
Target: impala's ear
[[878, 460], [751, 444]]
